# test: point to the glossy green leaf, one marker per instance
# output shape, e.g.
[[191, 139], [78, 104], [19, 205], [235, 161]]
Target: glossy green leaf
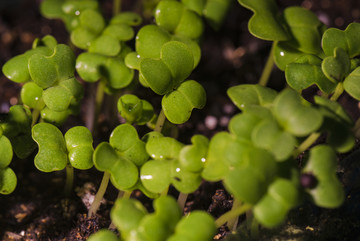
[[152, 227], [124, 173], [135, 110], [8, 181], [336, 67], [149, 41], [47, 41], [128, 18], [272, 209], [197, 226], [191, 25], [163, 148], [121, 32], [306, 29], [106, 45], [79, 141], [125, 140], [92, 20], [47, 70], [6, 152], [76, 7], [82, 37], [127, 214], [244, 96], [132, 60], [352, 83], [242, 125], [265, 23], [16, 69], [59, 97], [31, 95], [270, 136], [215, 167], [306, 71], [17, 121], [285, 54], [168, 14], [184, 181], [192, 45], [178, 104], [249, 180], [54, 117], [155, 175], [322, 163], [347, 40], [52, 8], [192, 157], [103, 234], [168, 210], [90, 65], [293, 116], [195, 5], [52, 154]]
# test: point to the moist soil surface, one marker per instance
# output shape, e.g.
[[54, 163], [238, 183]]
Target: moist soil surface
[[38, 209]]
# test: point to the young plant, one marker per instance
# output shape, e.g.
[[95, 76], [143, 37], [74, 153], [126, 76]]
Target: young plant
[[57, 152]]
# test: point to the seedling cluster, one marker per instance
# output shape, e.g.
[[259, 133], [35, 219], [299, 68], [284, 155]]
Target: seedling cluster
[[256, 159]]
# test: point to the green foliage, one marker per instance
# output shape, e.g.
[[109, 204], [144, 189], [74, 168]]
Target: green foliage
[[8, 178], [48, 73], [121, 156], [135, 110], [56, 152], [165, 223]]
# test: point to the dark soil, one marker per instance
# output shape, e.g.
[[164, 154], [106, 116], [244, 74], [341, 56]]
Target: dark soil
[[38, 210]]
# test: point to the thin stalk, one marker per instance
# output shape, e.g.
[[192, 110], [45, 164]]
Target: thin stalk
[[116, 7], [69, 180], [160, 121], [268, 67], [306, 144], [98, 103], [182, 200], [338, 92], [232, 223], [100, 194], [233, 213]]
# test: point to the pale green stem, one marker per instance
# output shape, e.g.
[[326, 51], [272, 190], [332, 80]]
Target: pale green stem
[[338, 91], [160, 122], [182, 200], [306, 144], [99, 195], [233, 213], [98, 103], [268, 67], [232, 223], [116, 7], [69, 180]]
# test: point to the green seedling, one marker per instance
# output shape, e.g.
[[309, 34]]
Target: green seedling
[[135, 110], [165, 223], [48, 73], [56, 152], [8, 178]]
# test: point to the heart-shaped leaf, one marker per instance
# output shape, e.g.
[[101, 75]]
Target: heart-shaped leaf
[[56, 118], [155, 175], [79, 145], [125, 140], [192, 157], [266, 22], [124, 173], [272, 209], [336, 67], [120, 31], [163, 148], [52, 149], [242, 125], [249, 180], [106, 45], [168, 14], [347, 40], [178, 104], [184, 181], [128, 18], [244, 96], [269, 136], [149, 41], [322, 163], [293, 116], [306, 71]]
